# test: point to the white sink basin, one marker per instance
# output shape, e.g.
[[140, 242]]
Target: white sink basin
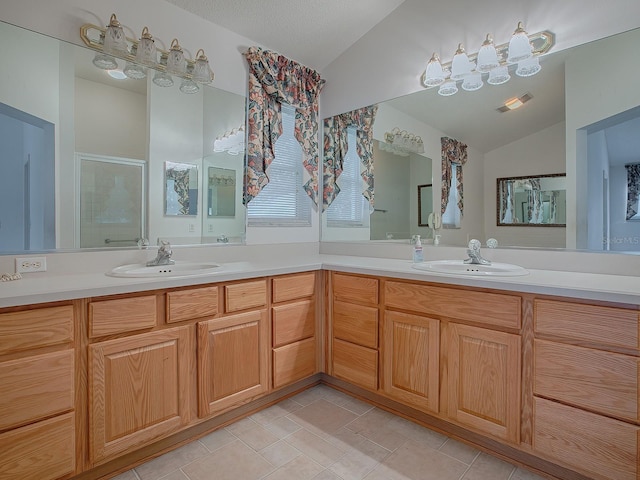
[[179, 269], [458, 267]]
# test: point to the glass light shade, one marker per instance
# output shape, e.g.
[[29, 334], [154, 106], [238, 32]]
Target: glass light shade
[[135, 71], [162, 79], [105, 62], [460, 65], [201, 71], [189, 86], [448, 88], [519, 46], [217, 145], [175, 60], [472, 82], [487, 56], [434, 74], [146, 52], [114, 40], [528, 67], [499, 75]]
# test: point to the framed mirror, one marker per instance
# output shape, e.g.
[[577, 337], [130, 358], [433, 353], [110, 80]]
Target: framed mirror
[[81, 110], [221, 192], [425, 204], [181, 189], [533, 201]]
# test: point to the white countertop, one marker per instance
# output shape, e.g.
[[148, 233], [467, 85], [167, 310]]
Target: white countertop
[[55, 287]]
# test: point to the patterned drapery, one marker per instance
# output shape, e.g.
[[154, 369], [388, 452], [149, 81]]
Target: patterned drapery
[[335, 150], [453, 152], [633, 189], [274, 80]]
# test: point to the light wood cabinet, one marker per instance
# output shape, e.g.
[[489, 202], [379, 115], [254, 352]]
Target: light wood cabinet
[[37, 394], [233, 361], [585, 385], [411, 346], [122, 315], [484, 380], [192, 303], [355, 329], [597, 446], [139, 390], [42, 451], [294, 325]]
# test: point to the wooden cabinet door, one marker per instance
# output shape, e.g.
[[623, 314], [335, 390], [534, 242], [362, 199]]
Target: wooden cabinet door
[[411, 349], [233, 361], [138, 390], [484, 380]]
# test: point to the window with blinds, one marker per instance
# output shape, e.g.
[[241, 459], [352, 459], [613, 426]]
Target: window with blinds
[[283, 202], [349, 208]]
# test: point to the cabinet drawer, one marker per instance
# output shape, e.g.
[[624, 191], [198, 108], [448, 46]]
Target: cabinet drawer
[[355, 289], [496, 309], [599, 381], [35, 387], [294, 362], [293, 286], [242, 296], [294, 321], [43, 451], [109, 317], [599, 447], [35, 328], [616, 327], [355, 364], [191, 303], [356, 324]]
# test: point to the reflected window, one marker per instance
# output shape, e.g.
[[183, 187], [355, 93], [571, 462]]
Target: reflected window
[[283, 202], [451, 216], [350, 208]]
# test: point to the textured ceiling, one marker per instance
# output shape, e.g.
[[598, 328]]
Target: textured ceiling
[[312, 32]]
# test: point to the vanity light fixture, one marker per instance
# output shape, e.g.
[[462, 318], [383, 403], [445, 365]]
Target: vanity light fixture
[[492, 61], [401, 143], [113, 46]]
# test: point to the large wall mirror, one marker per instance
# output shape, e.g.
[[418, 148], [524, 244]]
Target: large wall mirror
[[580, 121], [84, 155], [536, 201]]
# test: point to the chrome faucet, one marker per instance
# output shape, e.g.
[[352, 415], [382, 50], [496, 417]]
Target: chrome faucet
[[222, 239], [474, 254], [164, 255]]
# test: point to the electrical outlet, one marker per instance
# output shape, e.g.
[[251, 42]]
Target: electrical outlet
[[31, 264], [211, 228], [192, 228]]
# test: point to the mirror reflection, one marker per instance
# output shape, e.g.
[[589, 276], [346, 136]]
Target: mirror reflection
[[535, 201], [221, 195], [563, 127], [73, 143], [425, 204]]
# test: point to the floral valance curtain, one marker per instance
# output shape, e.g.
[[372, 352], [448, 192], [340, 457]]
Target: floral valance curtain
[[335, 150], [453, 152], [633, 189], [274, 80]]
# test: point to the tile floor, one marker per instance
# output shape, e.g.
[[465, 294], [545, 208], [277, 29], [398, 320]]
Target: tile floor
[[324, 434]]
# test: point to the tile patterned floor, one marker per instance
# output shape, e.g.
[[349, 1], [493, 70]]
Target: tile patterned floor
[[323, 434]]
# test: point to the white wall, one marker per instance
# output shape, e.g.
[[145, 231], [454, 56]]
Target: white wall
[[598, 168], [537, 154], [603, 85]]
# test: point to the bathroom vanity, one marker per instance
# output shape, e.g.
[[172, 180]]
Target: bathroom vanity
[[545, 376]]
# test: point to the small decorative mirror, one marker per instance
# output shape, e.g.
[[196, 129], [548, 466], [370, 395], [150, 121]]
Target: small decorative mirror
[[181, 188], [221, 192], [533, 201], [425, 204]]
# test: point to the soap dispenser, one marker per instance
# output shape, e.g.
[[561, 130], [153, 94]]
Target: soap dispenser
[[417, 251]]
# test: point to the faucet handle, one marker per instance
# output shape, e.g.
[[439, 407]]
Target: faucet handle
[[475, 245]]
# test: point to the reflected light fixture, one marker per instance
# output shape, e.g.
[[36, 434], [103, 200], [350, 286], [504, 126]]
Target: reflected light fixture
[[113, 46], [521, 54], [401, 142], [231, 141]]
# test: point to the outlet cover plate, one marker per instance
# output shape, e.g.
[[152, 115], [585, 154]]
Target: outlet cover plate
[[31, 264]]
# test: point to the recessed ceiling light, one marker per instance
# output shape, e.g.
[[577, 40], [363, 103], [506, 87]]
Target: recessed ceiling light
[[515, 102], [117, 74]]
